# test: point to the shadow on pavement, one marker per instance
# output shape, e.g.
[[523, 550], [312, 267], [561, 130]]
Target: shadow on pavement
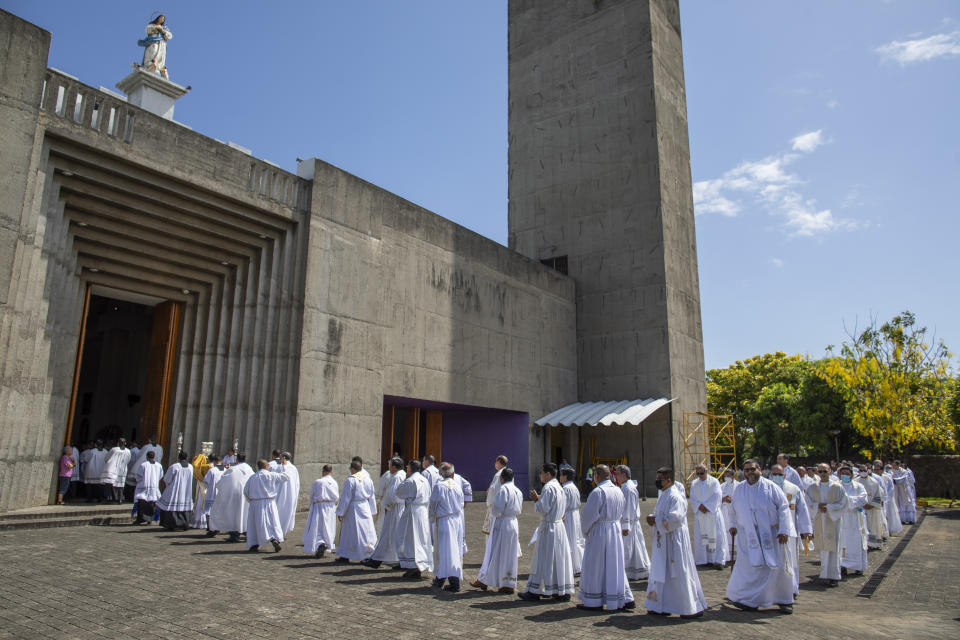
[[425, 590], [566, 613], [375, 580]]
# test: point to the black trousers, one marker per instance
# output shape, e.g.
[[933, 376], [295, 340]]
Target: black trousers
[[145, 511]]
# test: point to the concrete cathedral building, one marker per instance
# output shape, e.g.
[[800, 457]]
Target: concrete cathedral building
[[157, 282]]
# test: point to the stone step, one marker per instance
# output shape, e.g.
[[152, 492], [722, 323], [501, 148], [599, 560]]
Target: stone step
[[76, 521], [70, 511]]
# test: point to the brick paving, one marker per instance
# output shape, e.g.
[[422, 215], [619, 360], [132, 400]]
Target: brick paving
[[121, 581]]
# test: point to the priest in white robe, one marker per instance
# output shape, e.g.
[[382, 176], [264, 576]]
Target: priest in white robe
[[430, 471], [571, 519], [467, 490], [229, 512], [603, 580], [415, 543], [802, 524], [905, 484], [876, 472], [499, 568], [147, 491], [289, 495], [853, 525], [789, 473], [727, 488], [357, 506], [176, 501], [210, 481], [274, 464], [130, 481], [499, 464], [93, 470], [762, 525], [201, 466], [551, 569], [873, 509], [321, 529], [828, 501], [114, 474], [390, 513], [379, 492], [890, 508], [263, 519], [446, 509], [674, 584], [711, 546], [635, 558]]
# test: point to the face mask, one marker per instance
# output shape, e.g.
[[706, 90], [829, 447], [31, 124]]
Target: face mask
[[777, 479], [846, 479], [864, 474], [658, 484], [727, 479]]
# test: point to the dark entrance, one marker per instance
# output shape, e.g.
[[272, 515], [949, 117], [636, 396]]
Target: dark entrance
[[124, 372]]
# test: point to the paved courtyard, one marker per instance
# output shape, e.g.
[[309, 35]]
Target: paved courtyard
[[125, 581]]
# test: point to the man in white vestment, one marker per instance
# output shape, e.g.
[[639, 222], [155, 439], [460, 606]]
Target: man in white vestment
[[853, 525], [571, 519], [176, 501], [905, 485], [358, 534], [446, 509], [415, 544], [274, 464], [263, 519], [674, 584], [551, 570], [430, 471], [380, 490], [210, 481], [92, 470], [876, 472], [289, 494], [789, 473], [364, 474], [499, 568], [727, 488], [467, 490], [829, 501], [148, 445], [762, 525], [801, 520], [890, 508], [390, 513], [114, 473], [229, 512], [230, 459], [147, 491], [711, 546], [603, 579], [321, 529], [636, 562], [873, 509], [499, 464]]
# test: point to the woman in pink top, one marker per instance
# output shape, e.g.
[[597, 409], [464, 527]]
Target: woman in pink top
[[66, 472]]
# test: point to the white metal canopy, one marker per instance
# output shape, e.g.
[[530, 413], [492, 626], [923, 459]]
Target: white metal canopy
[[595, 414]]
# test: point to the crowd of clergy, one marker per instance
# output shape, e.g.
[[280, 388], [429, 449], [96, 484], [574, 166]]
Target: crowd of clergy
[[411, 519]]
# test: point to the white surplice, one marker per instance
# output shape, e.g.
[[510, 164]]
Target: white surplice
[[94, 466], [432, 476], [211, 480], [853, 528], [263, 519], [499, 568], [379, 491], [801, 525], [603, 579], [358, 533], [115, 467], [391, 510], [636, 562], [288, 497], [711, 542], [571, 523], [321, 525], [446, 509], [726, 491], [492, 492], [890, 508], [148, 482], [177, 493], [826, 525], [415, 544], [873, 515], [674, 584], [467, 489], [229, 512], [763, 572], [551, 569], [905, 487]]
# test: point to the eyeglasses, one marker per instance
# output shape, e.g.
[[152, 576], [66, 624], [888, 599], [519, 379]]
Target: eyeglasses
[[745, 469]]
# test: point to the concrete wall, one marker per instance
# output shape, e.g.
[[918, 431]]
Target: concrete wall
[[402, 302], [599, 172]]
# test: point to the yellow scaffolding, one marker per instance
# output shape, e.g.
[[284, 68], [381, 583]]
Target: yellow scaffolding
[[707, 439]]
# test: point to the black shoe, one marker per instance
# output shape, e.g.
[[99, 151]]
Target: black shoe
[[744, 607], [452, 587], [584, 607], [786, 608], [276, 545], [210, 534], [233, 537], [413, 574], [526, 595], [322, 549], [629, 606], [563, 598], [690, 616], [651, 612], [832, 583], [396, 567], [254, 548], [437, 583], [373, 564], [342, 560]]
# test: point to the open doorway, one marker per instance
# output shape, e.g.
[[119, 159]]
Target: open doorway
[[124, 372]]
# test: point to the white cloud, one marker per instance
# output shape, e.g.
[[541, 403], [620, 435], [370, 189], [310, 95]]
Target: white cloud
[[770, 184], [777, 262], [832, 104], [807, 142], [921, 49]]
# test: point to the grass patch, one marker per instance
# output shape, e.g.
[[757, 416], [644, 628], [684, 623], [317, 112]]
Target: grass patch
[[938, 503]]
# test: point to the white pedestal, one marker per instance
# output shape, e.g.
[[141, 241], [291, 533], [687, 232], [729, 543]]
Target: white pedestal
[[151, 92]]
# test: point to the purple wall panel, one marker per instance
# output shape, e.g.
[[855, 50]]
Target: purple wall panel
[[472, 439]]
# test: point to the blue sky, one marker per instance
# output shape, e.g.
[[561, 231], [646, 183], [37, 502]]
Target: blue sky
[[824, 134]]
